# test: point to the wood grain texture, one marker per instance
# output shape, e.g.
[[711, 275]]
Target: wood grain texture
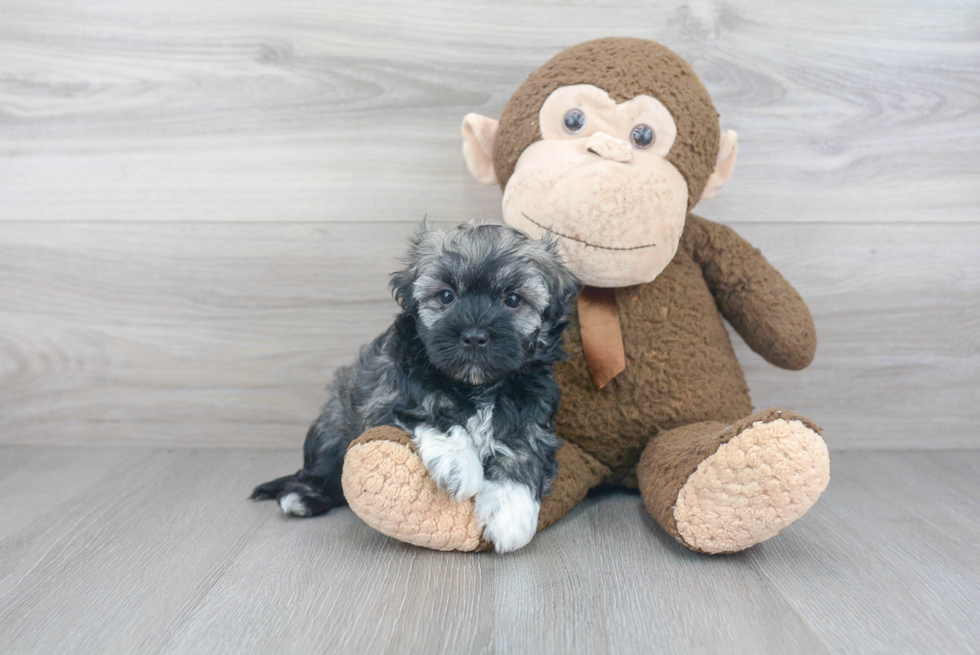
[[310, 111], [165, 555], [225, 334], [34, 488], [924, 563], [200, 203]]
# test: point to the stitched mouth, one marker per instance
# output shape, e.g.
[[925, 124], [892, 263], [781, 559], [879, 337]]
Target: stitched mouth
[[583, 241]]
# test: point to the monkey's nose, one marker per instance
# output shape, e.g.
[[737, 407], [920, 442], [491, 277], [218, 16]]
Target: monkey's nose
[[609, 147], [475, 338]]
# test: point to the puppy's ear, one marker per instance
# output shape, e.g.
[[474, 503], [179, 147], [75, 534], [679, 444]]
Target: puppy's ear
[[401, 281], [562, 283], [422, 250]]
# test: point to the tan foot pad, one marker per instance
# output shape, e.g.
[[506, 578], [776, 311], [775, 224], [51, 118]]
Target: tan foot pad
[[388, 487], [755, 485]]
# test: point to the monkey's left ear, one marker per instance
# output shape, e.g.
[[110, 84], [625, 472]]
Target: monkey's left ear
[[725, 166], [478, 134]]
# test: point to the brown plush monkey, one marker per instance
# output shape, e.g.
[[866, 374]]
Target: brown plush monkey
[[610, 145]]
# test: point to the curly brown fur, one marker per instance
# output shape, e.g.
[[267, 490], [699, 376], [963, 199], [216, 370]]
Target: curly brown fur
[[625, 68]]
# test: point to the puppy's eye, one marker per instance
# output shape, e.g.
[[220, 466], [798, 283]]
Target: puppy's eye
[[446, 297], [513, 300], [574, 121], [642, 136]]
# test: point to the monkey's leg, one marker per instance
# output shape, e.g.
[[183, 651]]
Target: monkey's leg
[[720, 488], [387, 486]]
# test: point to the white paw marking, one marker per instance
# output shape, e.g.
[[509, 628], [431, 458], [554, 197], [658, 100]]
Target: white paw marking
[[293, 504], [451, 460], [509, 514]]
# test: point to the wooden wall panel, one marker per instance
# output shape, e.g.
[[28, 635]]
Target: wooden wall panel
[[200, 201], [224, 334], [250, 110]]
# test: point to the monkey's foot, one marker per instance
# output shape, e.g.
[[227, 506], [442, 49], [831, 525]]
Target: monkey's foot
[[721, 489], [388, 487]]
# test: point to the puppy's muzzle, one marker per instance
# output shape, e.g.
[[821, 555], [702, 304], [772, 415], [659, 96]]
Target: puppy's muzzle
[[475, 339]]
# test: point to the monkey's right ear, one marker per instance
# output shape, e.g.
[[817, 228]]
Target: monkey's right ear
[[478, 134]]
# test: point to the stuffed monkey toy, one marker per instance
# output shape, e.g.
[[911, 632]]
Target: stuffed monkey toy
[[609, 146]]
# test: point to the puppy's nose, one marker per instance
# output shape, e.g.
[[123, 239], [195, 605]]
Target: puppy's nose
[[609, 147], [475, 338]]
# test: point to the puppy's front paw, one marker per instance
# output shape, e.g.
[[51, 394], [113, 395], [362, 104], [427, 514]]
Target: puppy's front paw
[[460, 473], [451, 460], [509, 514]]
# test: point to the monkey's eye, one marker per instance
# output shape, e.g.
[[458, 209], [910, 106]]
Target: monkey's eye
[[642, 136], [446, 297], [574, 121], [513, 300]]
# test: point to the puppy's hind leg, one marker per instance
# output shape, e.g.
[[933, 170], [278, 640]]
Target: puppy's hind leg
[[272, 488], [301, 494], [315, 488], [305, 498]]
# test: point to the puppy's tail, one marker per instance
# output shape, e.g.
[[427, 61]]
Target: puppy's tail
[[299, 495]]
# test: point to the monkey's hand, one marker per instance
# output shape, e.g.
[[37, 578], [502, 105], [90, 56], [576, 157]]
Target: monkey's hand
[[387, 486], [759, 303]]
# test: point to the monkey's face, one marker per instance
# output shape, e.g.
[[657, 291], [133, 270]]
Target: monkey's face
[[608, 145], [600, 181]]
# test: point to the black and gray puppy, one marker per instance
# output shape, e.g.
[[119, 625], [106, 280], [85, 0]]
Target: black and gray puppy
[[466, 369]]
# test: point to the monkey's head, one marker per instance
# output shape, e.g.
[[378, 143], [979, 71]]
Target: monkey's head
[[609, 145]]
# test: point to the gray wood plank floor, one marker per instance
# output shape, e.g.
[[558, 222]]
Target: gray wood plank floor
[[144, 550]]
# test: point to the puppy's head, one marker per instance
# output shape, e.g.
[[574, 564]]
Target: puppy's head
[[486, 298]]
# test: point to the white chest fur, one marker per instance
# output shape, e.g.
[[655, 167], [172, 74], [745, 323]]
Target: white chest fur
[[454, 459], [480, 428]]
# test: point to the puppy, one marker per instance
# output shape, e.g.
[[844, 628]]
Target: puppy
[[466, 369]]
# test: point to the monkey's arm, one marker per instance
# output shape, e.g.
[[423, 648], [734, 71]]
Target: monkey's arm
[[759, 303]]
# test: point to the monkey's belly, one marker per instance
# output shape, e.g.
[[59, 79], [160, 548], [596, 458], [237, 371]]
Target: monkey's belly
[[680, 369]]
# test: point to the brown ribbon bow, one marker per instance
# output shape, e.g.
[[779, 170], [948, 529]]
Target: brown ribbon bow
[[602, 336]]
